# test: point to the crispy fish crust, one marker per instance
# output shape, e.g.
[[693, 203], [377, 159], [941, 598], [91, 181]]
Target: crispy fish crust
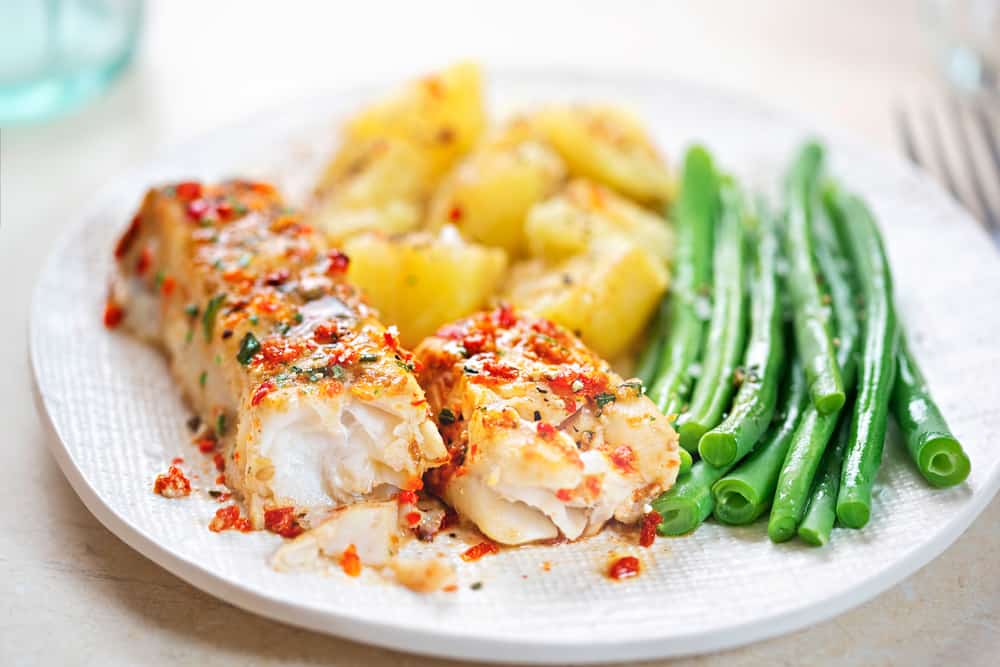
[[313, 403], [545, 440]]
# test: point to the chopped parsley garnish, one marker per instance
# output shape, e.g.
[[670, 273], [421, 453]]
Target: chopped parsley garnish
[[189, 336], [604, 398], [220, 424], [191, 310], [244, 260], [284, 327], [368, 357], [254, 320], [211, 312], [446, 417], [203, 378], [249, 346], [476, 585], [317, 373], [298, 318], [634, 385], [405, 365], [158, 279]]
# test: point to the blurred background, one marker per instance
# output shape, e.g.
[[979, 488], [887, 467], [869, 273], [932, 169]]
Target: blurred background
[[115, 81], [91, 87]]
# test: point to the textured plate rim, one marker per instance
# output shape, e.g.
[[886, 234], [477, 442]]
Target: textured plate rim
[[470, 645]]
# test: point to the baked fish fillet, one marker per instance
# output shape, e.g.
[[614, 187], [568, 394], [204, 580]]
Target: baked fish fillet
[[313, 402], [545, 440]]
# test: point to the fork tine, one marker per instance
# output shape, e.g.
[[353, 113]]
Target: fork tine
[[906, 136], [970, 159], [937, 145]]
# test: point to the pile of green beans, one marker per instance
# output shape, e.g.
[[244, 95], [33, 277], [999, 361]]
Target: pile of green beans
[[763, 361], [795, 423]]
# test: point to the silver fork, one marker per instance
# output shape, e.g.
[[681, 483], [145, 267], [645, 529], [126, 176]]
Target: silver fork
[[964, 145]]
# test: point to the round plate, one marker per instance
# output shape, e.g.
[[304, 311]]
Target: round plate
[[120, 421]]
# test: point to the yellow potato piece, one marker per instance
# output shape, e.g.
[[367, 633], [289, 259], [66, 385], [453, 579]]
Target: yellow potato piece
[[420, 281], [442, 115], [377, 184], [606, 295], [608, 145], [490, 192], [583, 214]]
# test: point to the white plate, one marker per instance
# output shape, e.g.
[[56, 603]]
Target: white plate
[[120, 421]]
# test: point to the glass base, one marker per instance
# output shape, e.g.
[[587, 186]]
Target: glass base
[[51, 96]]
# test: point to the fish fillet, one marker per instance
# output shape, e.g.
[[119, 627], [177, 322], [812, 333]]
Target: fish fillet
[[313, 403], [545, 440]]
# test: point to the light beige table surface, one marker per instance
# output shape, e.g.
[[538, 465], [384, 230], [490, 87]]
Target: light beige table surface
[[72, 593]]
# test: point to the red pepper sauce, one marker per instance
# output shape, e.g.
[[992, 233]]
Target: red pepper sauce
[[282, 521], [647, 533], [478, 551], [113, 314], [623, 457], [173, 484], [228, 518], [350, 562], [625, 567]]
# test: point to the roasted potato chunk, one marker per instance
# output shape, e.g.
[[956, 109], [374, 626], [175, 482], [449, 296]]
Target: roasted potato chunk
[[420, 281], [490, 192], [584, 213], [608, 145], [372, 184], [605, 295], [441, 115]]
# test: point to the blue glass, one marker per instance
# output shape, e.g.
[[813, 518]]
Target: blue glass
[[57, 54]]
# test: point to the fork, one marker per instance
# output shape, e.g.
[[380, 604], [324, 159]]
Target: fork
[[969, 131]]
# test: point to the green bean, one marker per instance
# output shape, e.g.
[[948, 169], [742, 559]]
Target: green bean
[[822, 511], [812, 329], [689, 501], [938, 454], [697, 210], [649, 358], [805, 451], [686, 462], [877, 363], [763, 361], [746, 491], [795, 481], [726, 328]]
